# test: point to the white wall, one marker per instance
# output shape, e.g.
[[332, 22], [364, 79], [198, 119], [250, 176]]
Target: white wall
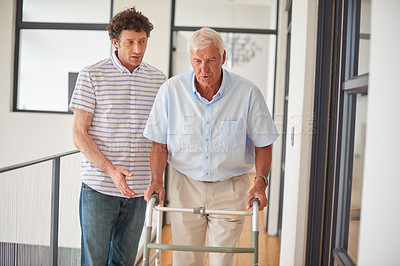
[[380, 215], [25, 136], [298, 145], [159, 13], [28, 136]]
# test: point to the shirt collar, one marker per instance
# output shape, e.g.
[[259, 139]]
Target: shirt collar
[[217, 96], [119, 65]]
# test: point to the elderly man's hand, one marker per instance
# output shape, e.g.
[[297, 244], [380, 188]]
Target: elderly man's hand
[[155, 189], [258, 191]]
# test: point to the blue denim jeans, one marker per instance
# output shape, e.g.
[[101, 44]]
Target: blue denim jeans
[[111, 227]]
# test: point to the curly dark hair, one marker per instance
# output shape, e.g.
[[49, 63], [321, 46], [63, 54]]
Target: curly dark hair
[[129, 19]]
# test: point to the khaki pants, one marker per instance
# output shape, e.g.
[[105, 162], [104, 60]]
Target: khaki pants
[[190, 229]]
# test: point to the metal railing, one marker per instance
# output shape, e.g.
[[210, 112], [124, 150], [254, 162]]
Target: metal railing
[[55, 197]]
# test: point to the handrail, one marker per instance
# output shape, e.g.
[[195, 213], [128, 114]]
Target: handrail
[[37, 161], [55, 196]]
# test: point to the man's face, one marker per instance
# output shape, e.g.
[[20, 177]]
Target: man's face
[[131, 47], [207, 64]]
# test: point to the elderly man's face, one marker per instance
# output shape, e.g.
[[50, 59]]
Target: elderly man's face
[[207, 64]]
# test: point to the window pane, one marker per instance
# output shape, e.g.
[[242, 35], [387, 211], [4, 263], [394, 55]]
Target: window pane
[[46, 59], [255, 14], [66, 11], [363, 62], [358, 167], [246, 54]]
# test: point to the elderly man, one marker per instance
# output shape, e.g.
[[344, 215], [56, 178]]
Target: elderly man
[[212, 126]]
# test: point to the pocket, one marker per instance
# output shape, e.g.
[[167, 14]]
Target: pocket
[[175, 183], [232, 133], [241, 185], [86, 187]]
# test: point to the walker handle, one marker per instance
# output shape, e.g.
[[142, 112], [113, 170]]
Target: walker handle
[[155, 196], [254, 200]]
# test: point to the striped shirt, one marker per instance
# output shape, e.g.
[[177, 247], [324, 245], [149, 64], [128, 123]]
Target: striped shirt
[[120, 102]]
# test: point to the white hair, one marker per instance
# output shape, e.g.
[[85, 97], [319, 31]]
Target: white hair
[[203, 38]]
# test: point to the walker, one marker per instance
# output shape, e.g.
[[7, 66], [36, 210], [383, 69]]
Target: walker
[[201, 211]]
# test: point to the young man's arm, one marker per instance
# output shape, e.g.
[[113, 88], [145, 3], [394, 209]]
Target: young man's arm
[[82, 140]]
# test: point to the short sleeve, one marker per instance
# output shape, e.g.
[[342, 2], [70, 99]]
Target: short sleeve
[[84, 95], [157, 124], [260, 128]]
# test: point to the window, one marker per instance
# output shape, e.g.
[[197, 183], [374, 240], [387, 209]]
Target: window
[[249, 37], [341, 99], [48, 50], [350, 159]]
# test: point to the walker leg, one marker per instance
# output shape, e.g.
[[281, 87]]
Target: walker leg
[[147, 229], [158, 236], [255, 232]]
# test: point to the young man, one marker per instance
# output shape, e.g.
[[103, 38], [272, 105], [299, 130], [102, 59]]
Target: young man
[[111, 104], [212, 126]]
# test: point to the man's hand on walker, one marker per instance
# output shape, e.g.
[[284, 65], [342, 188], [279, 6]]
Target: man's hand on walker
[[155, 189], [258, 191]]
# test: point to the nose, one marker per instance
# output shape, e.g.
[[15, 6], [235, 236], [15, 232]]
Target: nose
[[204, 66], [136, 48]]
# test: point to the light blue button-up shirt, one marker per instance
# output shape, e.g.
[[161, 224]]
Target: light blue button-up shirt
[[210, 140]]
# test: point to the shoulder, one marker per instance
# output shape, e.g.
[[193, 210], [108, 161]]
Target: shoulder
[[181, 80], [239, 80], [240, 83], [152, 72], [98, 66], [178, 86]]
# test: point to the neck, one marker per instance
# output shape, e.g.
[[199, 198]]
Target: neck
[[207, 92]]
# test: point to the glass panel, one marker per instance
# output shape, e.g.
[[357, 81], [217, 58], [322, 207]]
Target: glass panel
[[249, 55], [25, 215], [363, 61], [69, 234], [46, 59], [66, 11], [255, 14], [358, 167]]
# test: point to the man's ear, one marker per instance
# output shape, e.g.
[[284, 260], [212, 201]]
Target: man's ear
[[223, 57], [115, 43]]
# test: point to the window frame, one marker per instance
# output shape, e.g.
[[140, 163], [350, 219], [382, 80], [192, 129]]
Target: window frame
[[337, 86], [23, 25]]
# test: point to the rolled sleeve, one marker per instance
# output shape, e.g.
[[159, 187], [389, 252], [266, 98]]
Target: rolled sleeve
[[84, 95], [261, 128]]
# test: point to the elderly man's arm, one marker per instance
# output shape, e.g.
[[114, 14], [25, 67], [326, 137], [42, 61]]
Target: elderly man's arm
[[262, 163], [82, 140], [158, 162]]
